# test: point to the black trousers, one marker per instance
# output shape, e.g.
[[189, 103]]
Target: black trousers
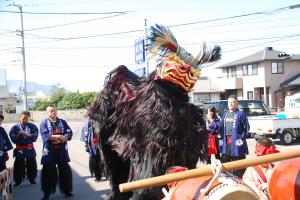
[[96, 166], [228, 158], [58, 172], [25, 166]]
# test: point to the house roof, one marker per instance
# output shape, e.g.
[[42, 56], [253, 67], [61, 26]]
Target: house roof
[[267, 54], [293, 81]]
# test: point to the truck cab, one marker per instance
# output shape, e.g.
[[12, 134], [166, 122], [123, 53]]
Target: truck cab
[[292, 106]]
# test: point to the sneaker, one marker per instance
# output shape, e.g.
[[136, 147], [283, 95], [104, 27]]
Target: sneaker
[[97, 179], [69, 196], [17, 185], [32, 182]]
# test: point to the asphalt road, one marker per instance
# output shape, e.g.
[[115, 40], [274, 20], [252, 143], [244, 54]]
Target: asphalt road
[[84, 187]]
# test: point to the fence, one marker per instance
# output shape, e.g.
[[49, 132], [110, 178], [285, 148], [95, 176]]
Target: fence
[[38, 116]]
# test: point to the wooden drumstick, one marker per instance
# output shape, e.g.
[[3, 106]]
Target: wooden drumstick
[[204, 171]]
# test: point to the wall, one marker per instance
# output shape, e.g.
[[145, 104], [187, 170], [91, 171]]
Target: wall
[[38, 116], [254, 81], [273, 81]]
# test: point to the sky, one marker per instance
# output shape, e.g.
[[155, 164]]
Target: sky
[[78, 48]]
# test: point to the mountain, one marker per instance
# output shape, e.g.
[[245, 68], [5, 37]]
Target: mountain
[[14, 86]]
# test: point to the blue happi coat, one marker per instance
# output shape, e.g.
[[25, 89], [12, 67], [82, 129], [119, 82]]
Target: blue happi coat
[[88, 134], [5, 146], [215, 126], [47, 130], [239, 132], [24, 145]]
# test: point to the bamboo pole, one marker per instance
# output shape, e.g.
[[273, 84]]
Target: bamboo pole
[[204, 171]]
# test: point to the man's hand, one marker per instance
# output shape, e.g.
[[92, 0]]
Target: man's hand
[[63, 138], [26, 134], [21, 133]]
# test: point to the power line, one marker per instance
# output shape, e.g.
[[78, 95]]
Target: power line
[[70, 3], [297, 35], [89, 36], [77, 22], [31, 65], [80, 48], [185, 44], [131, 31], [268, 12], [65, 13], [234, 23]]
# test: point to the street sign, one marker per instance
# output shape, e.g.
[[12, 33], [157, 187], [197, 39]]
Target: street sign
[[2, 77], [140, 71], [139, 47]]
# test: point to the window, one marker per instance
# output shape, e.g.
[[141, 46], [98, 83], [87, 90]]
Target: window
[[253, 108], [254, 69], [249, 70], [294, 103], [245, 71], [231, 72], [250, 95], [277, 68]]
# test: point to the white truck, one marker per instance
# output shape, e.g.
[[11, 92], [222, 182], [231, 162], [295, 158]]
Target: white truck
[[284, 126]]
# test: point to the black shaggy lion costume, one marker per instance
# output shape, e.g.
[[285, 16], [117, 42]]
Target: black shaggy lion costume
[[147, 125]]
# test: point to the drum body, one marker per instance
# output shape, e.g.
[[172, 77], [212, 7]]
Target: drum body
[[226, 187], [285, 181]]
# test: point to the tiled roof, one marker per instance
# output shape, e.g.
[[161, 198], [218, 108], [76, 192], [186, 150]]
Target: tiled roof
[[267, 54], [294, 80]]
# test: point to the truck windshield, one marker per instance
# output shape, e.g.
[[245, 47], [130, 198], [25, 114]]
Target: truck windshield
[[294, 103], [254, 108]]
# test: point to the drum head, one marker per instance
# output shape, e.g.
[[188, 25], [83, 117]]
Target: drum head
[[232, 192], [285, 180]]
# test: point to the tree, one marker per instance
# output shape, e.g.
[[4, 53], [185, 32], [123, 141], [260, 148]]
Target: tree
[[41, 105], [72, 100], [57, 94], [88, 98]]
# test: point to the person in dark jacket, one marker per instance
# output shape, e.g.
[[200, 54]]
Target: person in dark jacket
[[24, 134], [5, 145], [214, 124], [235, 128], [55, 133], [91, 139]]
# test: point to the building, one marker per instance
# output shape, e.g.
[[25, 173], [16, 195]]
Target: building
[[260, 76], [204, 90], [5, 98]]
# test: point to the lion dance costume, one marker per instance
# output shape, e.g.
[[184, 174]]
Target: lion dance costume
[[147, 125]]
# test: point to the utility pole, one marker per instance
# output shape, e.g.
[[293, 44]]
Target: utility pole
[[24, 61], [145, 45]]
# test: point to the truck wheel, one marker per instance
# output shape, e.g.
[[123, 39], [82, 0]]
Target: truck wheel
[[286, 137]]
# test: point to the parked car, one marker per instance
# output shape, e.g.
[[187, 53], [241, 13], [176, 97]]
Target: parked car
[[262, 122], [249, 107]]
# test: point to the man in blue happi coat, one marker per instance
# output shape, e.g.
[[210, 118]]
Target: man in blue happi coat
[[5, 145], [91, 139], [235, 127], [55, 133], [24, 134]]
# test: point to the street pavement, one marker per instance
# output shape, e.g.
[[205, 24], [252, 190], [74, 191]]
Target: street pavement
[[84, 187]]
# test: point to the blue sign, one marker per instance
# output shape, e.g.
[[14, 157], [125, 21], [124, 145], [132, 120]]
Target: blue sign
[[139, 47], [140, 71]]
